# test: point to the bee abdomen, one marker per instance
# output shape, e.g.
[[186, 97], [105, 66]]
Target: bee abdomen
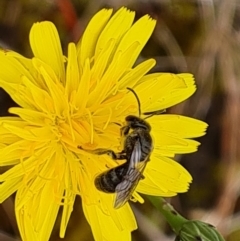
[[108, 181]]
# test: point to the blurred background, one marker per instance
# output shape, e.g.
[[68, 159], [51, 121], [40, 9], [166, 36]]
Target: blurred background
[[197, 36]]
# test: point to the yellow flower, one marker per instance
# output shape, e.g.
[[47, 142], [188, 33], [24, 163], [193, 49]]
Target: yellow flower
[[80, 100]]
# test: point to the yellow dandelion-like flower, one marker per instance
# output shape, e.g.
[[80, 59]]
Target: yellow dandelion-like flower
[[80, 100]]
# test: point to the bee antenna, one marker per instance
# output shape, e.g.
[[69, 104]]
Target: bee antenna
[[152, 113], [139, 104]]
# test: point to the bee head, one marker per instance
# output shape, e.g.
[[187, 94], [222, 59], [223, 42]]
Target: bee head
[[136, 122]]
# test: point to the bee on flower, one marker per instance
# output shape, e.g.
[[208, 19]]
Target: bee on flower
[[82, 99]]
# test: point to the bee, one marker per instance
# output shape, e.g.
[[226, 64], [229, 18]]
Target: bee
[[137, 149], [123, 179]]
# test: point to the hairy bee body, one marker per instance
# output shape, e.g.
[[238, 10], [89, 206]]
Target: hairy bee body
[[145, 141], [123, 179], [108, 181]]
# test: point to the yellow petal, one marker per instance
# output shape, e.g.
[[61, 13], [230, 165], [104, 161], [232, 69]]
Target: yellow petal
[[115, 28], [162, 90], [28, 162], [86, 47], [135, 74], [164, 177], [178, 125], [30, 116], [31, 133], [37, 96], [72, 74], [130, 45], [18, 151], [104, 227], [8, 187], [12, 68], [71, 177], [67, 210], [37, 216], [11, 73], [39, 198], [17, 172], [167, 145], [7, 138], [53, 86], [25, 62], [81, 98], [169, 133], [45, 44], [139, 33]]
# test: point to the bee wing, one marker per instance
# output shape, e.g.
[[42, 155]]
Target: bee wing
[[125, 189]]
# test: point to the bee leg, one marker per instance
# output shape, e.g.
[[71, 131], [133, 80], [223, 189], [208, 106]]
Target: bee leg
[[115, 156], [152, 113], [99, 151], [142, 177]]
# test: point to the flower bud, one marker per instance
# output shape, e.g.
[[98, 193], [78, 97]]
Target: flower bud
[[198, 231]]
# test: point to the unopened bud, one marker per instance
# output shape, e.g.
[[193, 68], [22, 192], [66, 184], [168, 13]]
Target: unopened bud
[[198, 231]]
